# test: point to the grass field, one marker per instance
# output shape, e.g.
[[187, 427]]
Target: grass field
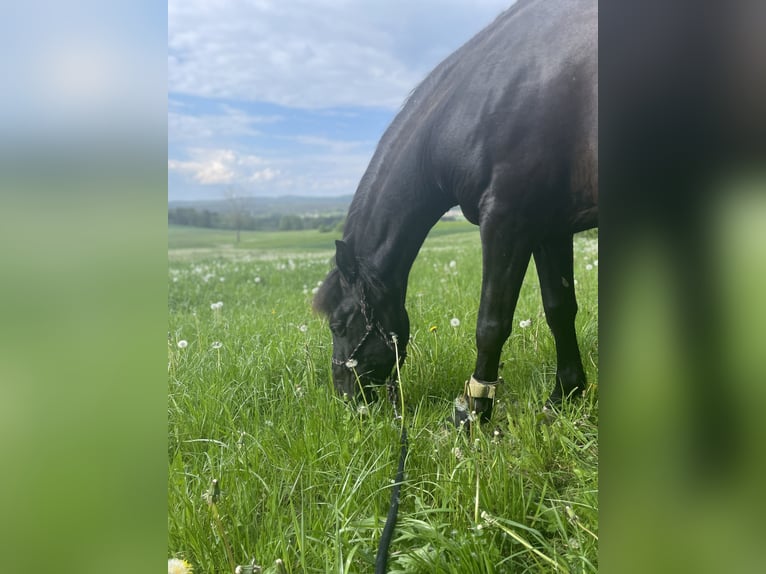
[[306, 480]]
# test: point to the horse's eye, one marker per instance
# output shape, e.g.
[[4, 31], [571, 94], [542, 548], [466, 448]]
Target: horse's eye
[[338, 328]]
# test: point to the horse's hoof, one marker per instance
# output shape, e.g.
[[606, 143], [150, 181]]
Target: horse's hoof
[[559, 394], [461, 416]]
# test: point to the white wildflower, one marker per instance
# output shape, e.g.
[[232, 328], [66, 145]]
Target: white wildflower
[[178, 566]]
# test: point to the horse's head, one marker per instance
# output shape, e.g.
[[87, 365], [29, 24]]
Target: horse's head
[[369, 325]]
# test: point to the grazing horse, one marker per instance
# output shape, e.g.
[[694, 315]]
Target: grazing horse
[[506, 128]]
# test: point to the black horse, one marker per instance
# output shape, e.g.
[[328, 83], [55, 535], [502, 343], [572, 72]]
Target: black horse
[[506, 128]]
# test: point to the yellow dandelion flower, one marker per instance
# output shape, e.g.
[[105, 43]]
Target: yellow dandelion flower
[[432, 329], [178, 566]]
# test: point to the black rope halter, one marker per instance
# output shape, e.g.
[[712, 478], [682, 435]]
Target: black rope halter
[[371, 325]]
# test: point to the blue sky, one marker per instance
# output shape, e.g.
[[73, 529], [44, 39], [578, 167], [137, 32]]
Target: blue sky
[[291, 97]]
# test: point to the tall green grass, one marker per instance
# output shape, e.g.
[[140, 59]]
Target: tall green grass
[[306, 479]]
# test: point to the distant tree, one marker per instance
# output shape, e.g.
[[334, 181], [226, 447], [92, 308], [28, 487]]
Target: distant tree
[[237, 201]]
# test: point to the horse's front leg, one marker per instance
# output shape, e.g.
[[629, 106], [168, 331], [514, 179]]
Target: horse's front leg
[[505, 260], [554, 262]]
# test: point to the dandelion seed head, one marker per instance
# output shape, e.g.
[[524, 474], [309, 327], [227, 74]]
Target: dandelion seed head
[[217, 345], [351, 363], [453, 264], [178, 566], [303, 328], [589, 267], [182, 344], [455, 322], [525, 323], [257, 279], [574, 544]]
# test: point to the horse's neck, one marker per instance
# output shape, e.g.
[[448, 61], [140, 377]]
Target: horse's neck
[[388, 229]]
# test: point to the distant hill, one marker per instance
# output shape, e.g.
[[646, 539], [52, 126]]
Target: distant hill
[[261, 206]]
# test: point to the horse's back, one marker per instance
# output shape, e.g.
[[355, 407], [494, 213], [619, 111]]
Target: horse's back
[[510, 119]]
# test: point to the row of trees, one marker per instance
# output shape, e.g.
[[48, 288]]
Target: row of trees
[[238, 220]]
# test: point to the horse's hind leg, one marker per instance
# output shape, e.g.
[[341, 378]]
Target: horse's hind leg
[[554, 261]]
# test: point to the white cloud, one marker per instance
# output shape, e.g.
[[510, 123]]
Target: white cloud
[[223, 167], [231, 122], [314, 53]]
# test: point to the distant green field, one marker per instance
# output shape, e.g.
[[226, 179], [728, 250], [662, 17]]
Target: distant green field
[[181, 237], [306, 479]]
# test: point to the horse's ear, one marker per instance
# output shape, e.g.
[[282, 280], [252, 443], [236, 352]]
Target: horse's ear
[[345, 260]]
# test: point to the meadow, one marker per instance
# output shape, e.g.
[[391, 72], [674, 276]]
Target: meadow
[[305, 480]]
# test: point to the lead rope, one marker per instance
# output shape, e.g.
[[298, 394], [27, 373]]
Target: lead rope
[[393, 508]]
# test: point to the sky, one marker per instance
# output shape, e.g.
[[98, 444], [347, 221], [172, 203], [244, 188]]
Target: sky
[[290, 97]]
